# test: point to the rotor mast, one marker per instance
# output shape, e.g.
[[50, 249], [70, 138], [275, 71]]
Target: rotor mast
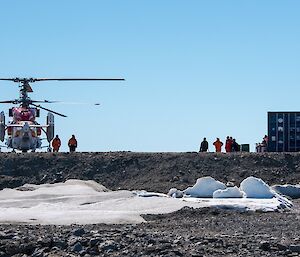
[[25, 88]]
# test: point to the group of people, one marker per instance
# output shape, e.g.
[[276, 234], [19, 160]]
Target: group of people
[[230, 145], [72, 143]]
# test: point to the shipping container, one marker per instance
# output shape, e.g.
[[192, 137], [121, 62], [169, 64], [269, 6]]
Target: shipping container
[[283, 131]]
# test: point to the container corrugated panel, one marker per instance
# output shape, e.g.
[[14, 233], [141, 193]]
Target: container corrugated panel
[[284, 131]]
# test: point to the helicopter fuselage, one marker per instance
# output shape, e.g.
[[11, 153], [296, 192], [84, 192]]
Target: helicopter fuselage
[[23, 131], [23, 137], [23, 114]]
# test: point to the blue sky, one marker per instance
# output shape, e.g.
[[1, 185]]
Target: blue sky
[[193, 69]]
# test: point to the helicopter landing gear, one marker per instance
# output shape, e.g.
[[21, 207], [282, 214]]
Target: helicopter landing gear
[[13, 151], [49, 149]]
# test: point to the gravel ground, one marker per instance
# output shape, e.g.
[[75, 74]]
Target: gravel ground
[[187, 232]]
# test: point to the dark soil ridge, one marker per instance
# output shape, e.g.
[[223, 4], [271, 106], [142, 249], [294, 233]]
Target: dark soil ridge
[[149, 171]]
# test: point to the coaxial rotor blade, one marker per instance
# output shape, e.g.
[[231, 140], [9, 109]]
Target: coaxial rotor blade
[[44, 101], [31, 80], [77, 79], [79, 103], [57, 113], [16, 79], [8, 102], [8, 79], [60, 102]]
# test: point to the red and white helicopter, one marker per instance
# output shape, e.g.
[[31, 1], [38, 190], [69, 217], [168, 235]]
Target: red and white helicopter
[[23, 131]]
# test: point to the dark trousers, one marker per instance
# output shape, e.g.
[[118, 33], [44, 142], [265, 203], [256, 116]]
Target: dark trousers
[[72, 148]]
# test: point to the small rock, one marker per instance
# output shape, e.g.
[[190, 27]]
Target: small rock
[[295, 248], [230, 184], [281, 247], [108, 246], [78, 232], [59, 243], [3, 254], [73, 240], [77, 247], [94, 241], [176, 241], [4, 235], [38, 253], [264, 245]]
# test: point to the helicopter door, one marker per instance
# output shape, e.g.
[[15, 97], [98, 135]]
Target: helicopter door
[[2, 126], [50, 128]]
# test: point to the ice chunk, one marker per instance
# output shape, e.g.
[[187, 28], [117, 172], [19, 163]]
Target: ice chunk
[[204, 187], [256, 188], [175, 193], [292, 191], [230, 192]]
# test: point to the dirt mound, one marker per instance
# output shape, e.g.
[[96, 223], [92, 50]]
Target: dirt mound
[[149, 171]]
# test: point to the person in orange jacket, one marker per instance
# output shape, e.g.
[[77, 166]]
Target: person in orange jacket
[[218, 145], [228, 144], [72, 143], [56, 143]]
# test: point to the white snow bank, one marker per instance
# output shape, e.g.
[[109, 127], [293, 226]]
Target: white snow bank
[[230, 192], [292, 191], [204, 187], [81, 202], [86, 202], [256, 188]]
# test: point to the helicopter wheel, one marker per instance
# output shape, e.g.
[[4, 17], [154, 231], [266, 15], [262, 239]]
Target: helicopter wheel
[[13, 151], [49, 150]]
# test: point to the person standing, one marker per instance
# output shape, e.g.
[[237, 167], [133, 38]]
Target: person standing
[[218, 145], [56, 143], [235, 146], [72, 143], [204, 145], [228, 145]]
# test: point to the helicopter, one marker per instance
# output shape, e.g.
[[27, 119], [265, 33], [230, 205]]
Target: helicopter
[[23, 131]]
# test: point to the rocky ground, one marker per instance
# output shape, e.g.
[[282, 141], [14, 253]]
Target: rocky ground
[[188, 232]]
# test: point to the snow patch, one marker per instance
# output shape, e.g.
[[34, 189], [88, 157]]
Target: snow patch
[[87, 202], [71, 186]]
